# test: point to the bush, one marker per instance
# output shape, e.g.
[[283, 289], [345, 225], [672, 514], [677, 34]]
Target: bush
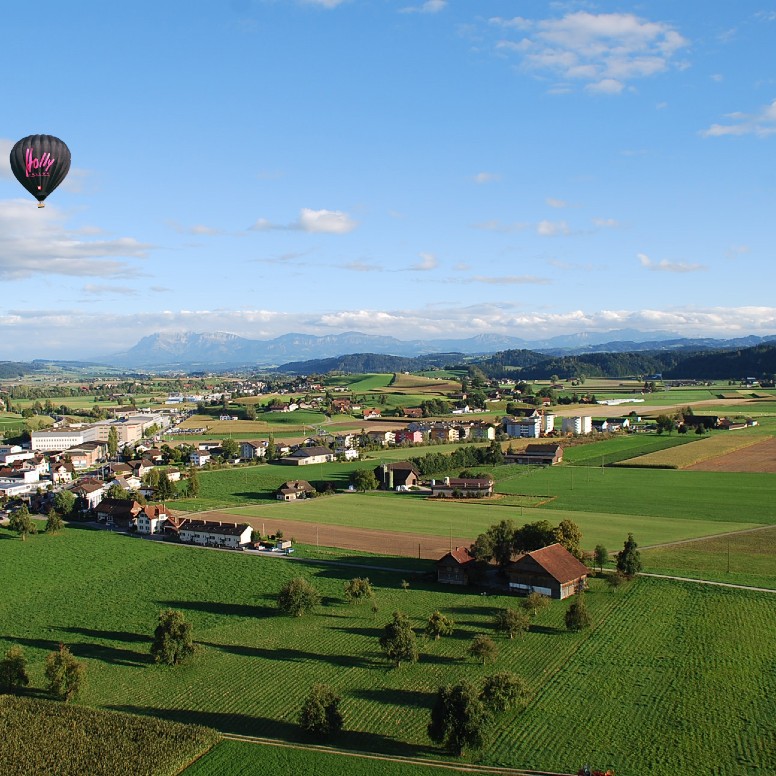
[[64, 674], [13, 670]]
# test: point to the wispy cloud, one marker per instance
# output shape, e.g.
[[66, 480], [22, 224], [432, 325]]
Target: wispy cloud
[[494, 225], [486, 177], [328, 4], [668, 266], [552, 228], [361, 266], [92, 289], [761, 124], [195, 229], [428, 261], [556, 203], [511, 280], [429, 6], [606, 223], [314, 221], [604, 52], [34, 241]]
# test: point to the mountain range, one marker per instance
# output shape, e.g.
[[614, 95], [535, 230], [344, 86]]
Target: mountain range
[[199, 350]]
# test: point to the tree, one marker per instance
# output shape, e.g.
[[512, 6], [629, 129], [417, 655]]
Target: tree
[[600, 556], [64, 674], [459, 718], [615, 580], [439, 625], [577, 617], [192, 484], [250, 412], [116, 491], [358, 589], [320, 714], [664, 423], [13, 670], [534, 602], [64, 503], [503, 691], [496, 543], [511, 622], [229, 449], [569, 535], [173, 642], [298, 596], [164, 489], [398, 640], [113, 442], [21, 522], [483, 648], [629, 558], [363, 480], [54, 522], [533, 536]]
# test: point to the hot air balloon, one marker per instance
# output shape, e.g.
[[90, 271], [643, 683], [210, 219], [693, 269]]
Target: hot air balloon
[[40, 163]]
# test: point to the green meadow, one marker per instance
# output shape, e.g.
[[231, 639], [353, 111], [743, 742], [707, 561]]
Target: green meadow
[[645, 673]]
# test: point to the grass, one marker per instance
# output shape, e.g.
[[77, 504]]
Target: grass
[[641, 679], [438, 517], [619, 448], [741, 559]]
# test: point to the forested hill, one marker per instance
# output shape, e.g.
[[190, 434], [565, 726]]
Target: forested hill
[[11, 369], [719, 364], [361, 363]]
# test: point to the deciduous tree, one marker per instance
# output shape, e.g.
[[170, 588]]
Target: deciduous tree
[[64, 503], [513, 622], [503, 691], [21, 522], [298, 596], [601, 556], [320, 714], [534, 602], [363, 480], [577, 617], [54, 522], [439, 625], [13, 670], [64, 674], [483, 648], [358, 590], [398, 640], [569, 535], [459, 718], [173, 641]]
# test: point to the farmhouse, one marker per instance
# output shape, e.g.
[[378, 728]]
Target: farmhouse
[[309, 455], [215, 534], [552, 571], [455, 567], [117, 512], [294, 490], [401, 474], [465, 487], [543, 455]]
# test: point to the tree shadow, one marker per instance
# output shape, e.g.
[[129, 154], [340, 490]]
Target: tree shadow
[[245, 724], [88, 649], [227, 609], [292, 655], [547, 629], [126, 636]]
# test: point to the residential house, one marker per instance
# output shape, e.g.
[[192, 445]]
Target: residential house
[[304, 456], [483, 431], [118, 513], [406, 437], [61, 472], [382, 438], [412, 412], [215, 534], [372, 413], [455, 567], [251, 450], [443, 433], [530, 427], [552, 571], [199, 457], [294, 490], [90, 491], [577, 425], [151, 519]]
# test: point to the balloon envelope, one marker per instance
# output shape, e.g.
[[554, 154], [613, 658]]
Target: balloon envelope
[[40, 163]]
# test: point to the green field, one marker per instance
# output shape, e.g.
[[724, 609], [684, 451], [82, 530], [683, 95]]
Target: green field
[[645, 673], [439, 517], [620, 448]]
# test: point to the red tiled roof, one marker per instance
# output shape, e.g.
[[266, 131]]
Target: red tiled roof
[[557, 561], [460, 555]]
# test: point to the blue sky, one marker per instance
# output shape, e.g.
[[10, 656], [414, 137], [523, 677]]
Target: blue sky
[[419, 169]]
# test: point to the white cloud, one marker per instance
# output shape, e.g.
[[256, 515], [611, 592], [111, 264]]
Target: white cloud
[[602, 51], [606, 223], [36, 241], [552, 228], [556, 203], [760, 124], [486, 177], [428, 261], [668, 266], [324, 3], [494, 225], [313, 221], [361, 266], [429, 6], [511, 280], [93, 289], [5, 161], [196, 229]]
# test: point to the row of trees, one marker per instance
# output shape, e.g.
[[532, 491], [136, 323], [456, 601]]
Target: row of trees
[[65, 675], [503, 540]]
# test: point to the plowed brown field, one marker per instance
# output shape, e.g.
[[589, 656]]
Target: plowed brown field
[[760, 457]]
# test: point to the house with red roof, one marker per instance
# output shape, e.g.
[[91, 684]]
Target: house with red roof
[[552, 571], [455, 567]]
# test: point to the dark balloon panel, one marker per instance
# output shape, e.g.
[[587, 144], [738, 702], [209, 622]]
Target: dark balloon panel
[[40, 163]]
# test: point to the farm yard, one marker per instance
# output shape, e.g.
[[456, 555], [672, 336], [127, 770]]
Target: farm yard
[[637, 676]]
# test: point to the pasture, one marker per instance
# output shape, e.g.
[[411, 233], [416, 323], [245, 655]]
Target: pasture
[[643, 674]]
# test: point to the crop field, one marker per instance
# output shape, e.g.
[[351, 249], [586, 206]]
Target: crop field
[[620, 448], [640, 679], [46, 737], [465, 520], [361, 383], [747, 558], [428, 384], [713, 496], [718, 444], [757, 457]]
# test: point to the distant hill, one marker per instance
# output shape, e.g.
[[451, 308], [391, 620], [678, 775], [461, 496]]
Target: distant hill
[[361, 363]]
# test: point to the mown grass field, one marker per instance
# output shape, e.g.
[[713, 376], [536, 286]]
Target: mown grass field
[[741, 559], [439, 517], [620, 448], [633, 693]]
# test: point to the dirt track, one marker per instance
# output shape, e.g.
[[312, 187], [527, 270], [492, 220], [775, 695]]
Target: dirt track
[[407, 545]]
